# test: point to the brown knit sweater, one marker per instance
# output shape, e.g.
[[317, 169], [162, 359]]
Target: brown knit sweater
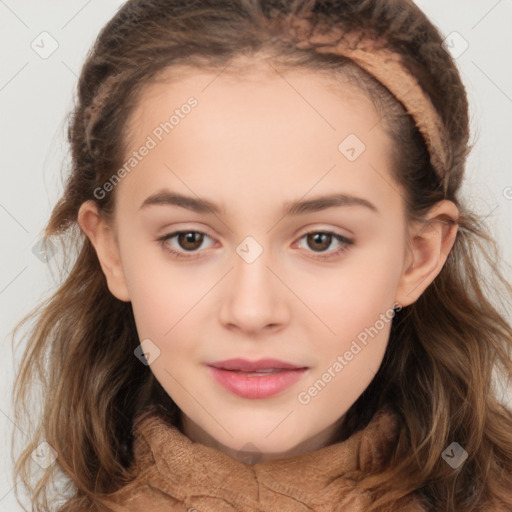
[[177, 474]]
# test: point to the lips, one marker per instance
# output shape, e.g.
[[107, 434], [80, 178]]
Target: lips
[[256, 379], [243, 365]]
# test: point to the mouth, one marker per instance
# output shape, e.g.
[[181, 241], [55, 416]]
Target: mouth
[[261, 365], [256, 379]]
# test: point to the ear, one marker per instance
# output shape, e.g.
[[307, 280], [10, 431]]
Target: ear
[[430, 243], [103, 238]]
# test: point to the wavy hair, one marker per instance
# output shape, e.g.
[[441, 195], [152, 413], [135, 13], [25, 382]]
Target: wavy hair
[[446, 351]]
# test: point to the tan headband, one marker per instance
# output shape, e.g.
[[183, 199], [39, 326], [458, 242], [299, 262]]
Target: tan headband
[[387, 67]]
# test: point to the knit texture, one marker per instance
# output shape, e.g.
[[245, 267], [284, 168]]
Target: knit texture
[[177, 474]]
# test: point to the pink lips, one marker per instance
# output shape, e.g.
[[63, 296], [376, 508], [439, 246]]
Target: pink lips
[[256, 379]]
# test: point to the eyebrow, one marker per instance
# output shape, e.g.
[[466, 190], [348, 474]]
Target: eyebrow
[[201, 205]]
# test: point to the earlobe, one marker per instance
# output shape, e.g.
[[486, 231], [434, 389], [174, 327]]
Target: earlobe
[[431, 243], [102, 237]]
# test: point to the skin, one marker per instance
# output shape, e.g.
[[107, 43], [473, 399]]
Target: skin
[[251, 145]]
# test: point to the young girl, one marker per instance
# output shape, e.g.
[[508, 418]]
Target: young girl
[[276, 301]]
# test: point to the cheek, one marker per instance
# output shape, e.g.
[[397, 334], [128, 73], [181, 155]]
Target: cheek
[[158, 292], [169, 301], [356, 303], [358, 309], [161, 301], [353, 295]]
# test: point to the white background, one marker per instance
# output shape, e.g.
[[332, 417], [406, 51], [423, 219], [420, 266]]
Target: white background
[[36, 95]]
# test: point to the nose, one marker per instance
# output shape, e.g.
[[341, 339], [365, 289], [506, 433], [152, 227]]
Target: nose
[[254, 298]]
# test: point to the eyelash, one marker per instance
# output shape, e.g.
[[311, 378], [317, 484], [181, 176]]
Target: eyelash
[[346, 242]]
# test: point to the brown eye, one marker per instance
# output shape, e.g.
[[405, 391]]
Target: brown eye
[[184, 244], [319, 241], [190, 240]]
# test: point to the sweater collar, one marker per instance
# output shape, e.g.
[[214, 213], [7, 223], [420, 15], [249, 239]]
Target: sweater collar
[[170, 464]]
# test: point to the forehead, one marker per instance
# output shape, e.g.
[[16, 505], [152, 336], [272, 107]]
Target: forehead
[[255, 128], [255, 82]]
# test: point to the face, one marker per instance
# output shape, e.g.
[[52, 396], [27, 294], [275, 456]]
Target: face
[[262, 221]]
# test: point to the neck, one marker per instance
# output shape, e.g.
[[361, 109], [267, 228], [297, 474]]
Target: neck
[[320, 440]]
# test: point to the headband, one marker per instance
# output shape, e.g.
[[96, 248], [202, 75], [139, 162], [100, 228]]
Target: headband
[[388, 68]]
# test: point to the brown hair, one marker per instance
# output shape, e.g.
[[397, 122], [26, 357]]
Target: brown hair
[[437, 373]]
